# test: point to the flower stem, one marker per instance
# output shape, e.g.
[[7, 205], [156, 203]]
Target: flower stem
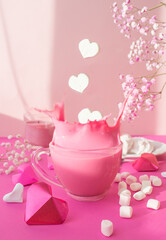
[[161, 4], [162, 88]]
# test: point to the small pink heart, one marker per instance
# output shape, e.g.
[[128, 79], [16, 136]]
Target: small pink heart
[[147, 162], [26, 175]]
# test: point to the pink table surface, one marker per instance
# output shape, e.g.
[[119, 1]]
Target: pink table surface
[[84, 219]]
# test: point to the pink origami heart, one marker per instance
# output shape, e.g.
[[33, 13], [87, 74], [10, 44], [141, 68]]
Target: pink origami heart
[[42, 208], [147, 162], [26, 175]]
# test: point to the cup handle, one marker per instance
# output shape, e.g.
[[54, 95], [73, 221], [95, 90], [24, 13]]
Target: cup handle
[[39, 169]]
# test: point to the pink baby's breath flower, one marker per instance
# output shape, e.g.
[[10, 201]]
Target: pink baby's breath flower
[[144, 80], [144, 9], [152, 20], [114, 4], [144, 89], [148, 101], [121, 76], [143, 19], [153, 80], [148, 48]]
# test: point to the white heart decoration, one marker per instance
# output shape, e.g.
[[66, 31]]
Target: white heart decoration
[[16, 195], [79, 83], [95, 116], [86, 115], [88, 49]]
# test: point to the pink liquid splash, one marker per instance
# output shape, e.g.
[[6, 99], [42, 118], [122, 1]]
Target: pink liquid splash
[[89, 136], [86, 157]]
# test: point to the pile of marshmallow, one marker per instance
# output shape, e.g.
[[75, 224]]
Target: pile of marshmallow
[[142, 188], [16, 151]]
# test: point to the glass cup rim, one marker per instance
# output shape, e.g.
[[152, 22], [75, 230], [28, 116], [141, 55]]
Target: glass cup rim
[[52, 145]]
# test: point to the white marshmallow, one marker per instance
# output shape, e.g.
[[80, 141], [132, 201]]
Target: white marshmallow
[[8, 145], [124, 199], [117, 177], [21, 162], [124, 174], [29, 147], [10, 137], [18, 135], [157, 182], [10, 158], [106, 228], [7, 172], [26, 160], [122, 185], [145, 183], [11, 168], [131, 179], [153, 203], [163, 174], [6, 164], [22, 146], [22, 154], [147, 190], [15, 162], [139, 195], [17, 142], [1, 171], [143, 177], [152, 177], [125, 191], [17, 155], [135, 186], [126, 211]]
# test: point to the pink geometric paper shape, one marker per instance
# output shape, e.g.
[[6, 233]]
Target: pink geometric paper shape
[[147, 162], [50, 165], [42, 208], [26, 175]]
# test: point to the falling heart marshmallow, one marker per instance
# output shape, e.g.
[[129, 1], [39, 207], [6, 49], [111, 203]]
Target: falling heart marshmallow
[[16, 196], [79, 83], [86, 115], [88, 49]]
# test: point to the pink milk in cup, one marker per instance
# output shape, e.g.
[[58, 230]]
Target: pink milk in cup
[[86, 157]]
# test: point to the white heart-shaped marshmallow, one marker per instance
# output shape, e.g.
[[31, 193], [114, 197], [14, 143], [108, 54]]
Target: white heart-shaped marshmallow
[[16, 195], [79, 83], [86, 115], [88, 49], [95, 116]]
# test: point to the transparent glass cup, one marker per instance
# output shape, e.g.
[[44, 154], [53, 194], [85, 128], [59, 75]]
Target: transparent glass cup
[[39, 128], [86, 175]]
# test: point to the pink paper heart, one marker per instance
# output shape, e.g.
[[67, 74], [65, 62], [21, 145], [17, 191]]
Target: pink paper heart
[[147, 162], [42, 208], [26, 175]]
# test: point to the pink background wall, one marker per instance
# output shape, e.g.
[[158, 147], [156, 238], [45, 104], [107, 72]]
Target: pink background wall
[[39, 52]]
